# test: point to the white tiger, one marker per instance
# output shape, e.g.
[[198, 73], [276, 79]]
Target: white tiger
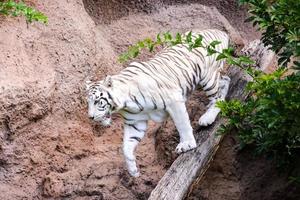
[[159, 88]]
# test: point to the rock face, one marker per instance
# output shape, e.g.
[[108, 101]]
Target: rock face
[[48, 147]]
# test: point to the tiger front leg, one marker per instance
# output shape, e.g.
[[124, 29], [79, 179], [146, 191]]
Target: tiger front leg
[[133, 134], [181, 119], [212, 112]]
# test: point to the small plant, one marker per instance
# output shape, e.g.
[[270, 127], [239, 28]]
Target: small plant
[[12, 8]]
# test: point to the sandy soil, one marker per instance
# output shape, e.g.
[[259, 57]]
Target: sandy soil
[[48, 147]]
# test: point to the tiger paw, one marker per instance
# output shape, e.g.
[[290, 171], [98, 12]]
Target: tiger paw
[[132, 168], [185, 146], [209, 117], [134, 173]]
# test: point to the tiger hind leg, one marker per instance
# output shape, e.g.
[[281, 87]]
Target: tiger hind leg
[[212, 112]]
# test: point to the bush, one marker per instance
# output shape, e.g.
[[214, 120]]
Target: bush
[[270, 118], [279, 20]]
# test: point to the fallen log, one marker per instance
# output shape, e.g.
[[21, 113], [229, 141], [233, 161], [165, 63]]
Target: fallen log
[[192, 165]]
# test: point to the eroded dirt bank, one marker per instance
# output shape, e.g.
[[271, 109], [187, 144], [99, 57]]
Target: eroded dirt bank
[[48, 147]]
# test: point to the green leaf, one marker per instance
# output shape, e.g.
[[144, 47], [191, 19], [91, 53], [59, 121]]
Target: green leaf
[[178, 39], [188, 38], [246, 60], [151, 47], [229, 51], [210, 51], [221, 56], [133, 51], [214, 43], [123, 58], [141, 44], [198, 41], [158, 39], [167, 36]]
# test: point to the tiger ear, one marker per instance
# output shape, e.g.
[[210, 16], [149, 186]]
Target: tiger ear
[[87, 84], [108, 81]]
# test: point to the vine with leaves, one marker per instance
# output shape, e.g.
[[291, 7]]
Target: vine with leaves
[[167, 40]]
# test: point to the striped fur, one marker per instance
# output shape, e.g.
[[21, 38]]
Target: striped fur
[[159, 87]]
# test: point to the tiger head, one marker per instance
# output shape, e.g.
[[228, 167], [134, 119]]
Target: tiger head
[[100, 102]]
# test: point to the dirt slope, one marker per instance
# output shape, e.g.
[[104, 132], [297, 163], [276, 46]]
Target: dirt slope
[[48, 147]]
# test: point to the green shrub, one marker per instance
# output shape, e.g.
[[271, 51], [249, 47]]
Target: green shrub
[[279, 20], [12, 8], [270, 117]]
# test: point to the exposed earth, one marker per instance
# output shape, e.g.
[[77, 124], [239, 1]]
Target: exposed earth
[[49, 149]]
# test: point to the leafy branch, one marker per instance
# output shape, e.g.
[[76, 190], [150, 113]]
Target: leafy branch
[[192, 42], [12, 8]]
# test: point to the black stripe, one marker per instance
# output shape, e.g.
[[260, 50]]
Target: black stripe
[[199, 54], [204, 76], [194, 81], [213, 85], [137, 102], [189, 81], [199, 67], [141, 94], [124, 74], [154, 103], [211, 95], [136, 138], [128, 71], [126, 119], [121, 81], [163, 101], [130, 112], [133, 126]]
